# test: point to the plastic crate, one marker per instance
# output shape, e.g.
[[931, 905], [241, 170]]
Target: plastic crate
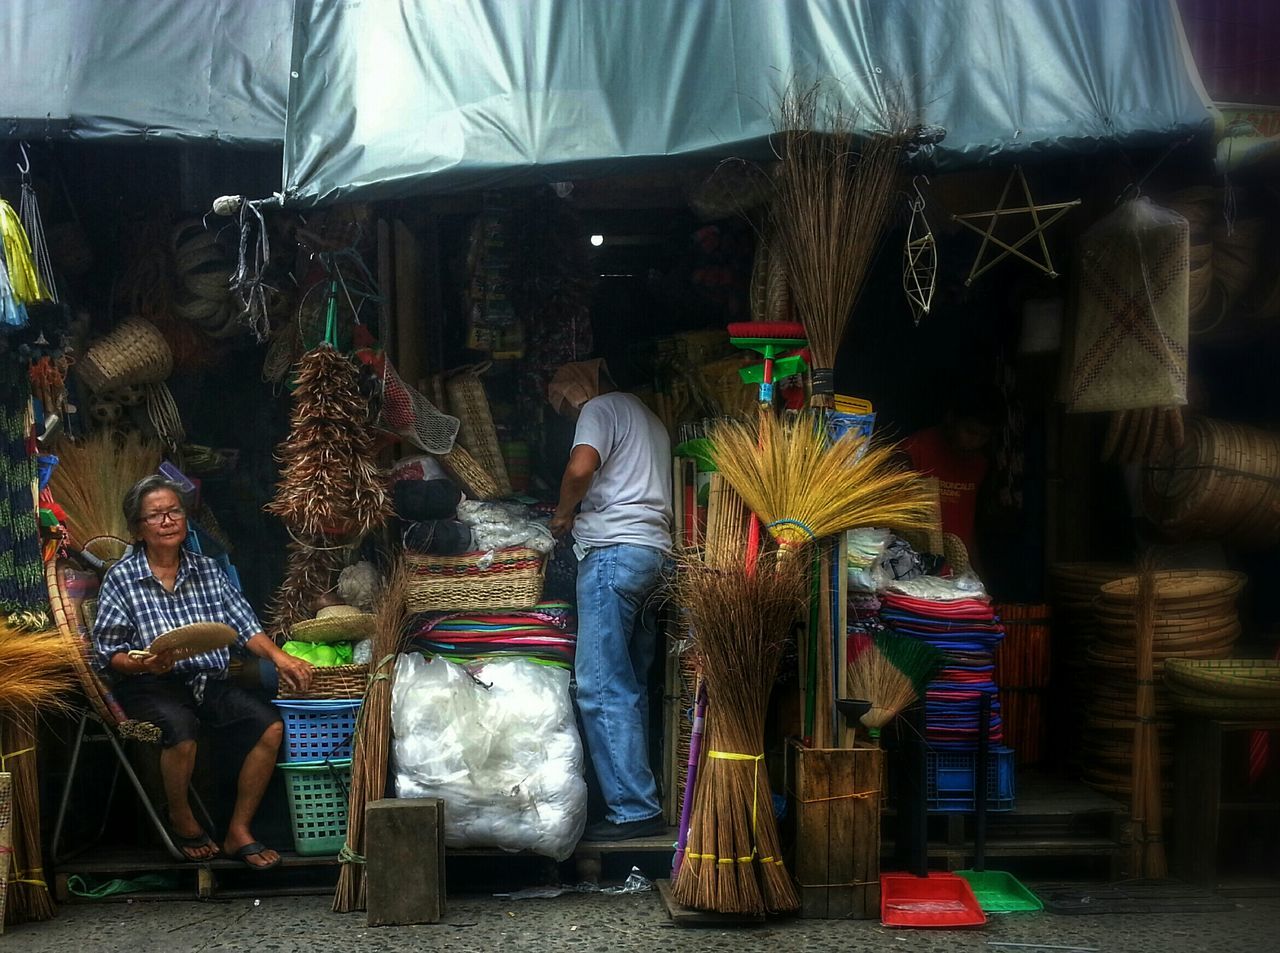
[[317, 729], [950, 780], [318, 796]]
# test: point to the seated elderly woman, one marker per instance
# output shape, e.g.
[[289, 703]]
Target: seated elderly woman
[[161, 586]]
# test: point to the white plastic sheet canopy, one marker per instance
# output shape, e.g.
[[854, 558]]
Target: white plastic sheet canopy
[[389, 98], [128, 70]]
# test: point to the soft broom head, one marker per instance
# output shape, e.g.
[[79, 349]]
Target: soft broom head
[[890, 671], [803, 488], [35, 672]]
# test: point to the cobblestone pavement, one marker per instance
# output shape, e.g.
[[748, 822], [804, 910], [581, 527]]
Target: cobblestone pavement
[[609, 924]]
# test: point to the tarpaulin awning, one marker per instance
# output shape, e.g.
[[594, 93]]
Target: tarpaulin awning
[[128, 70], [390, 98]]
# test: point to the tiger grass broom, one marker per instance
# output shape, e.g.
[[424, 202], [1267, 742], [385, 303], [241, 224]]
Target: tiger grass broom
[[890, 671], [803, 488], [740, 622], [830, 206], [91, 478], [373, 739]]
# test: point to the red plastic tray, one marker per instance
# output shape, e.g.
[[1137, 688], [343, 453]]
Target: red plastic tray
[[938, 900]]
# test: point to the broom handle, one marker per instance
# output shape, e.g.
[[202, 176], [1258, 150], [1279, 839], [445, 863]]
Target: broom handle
[[980, 783], [691, 777], [753, 544]]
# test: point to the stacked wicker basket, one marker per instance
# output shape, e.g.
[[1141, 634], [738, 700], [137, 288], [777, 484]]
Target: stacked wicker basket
[[1195, 618]]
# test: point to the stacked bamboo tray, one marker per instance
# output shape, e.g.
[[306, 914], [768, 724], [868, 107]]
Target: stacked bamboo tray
[[1195, 618], [1224, 483], [1224, 688], [1074, 586]]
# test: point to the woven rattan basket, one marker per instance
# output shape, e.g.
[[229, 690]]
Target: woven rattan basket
[[513, 580], [1224, 483], [134, 353], [469, 403], [334, 681]]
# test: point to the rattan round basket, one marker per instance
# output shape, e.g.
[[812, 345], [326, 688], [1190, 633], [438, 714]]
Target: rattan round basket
[[134, 353], [1225, 678], [332, 681], [1224, 483]]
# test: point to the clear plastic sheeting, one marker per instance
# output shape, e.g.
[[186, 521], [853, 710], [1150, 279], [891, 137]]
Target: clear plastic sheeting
[[191, 70], [501, 749], [394, 99]]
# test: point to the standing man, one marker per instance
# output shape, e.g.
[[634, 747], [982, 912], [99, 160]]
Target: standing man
[[620, 472]]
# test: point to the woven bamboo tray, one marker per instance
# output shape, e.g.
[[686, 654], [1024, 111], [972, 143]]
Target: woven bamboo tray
[[451, 583], [1178, 587], [1225, 678], [476, 432], [92, 687], [1224, 483], [334, 681], [1216, 706]]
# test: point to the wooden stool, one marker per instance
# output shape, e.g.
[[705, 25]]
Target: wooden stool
[[404, 861], [1198, 803]]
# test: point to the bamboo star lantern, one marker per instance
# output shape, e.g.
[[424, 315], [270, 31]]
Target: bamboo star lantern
[[1038, 226]]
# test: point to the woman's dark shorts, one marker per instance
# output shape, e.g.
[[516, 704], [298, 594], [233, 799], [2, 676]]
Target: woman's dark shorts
[[169, 704]]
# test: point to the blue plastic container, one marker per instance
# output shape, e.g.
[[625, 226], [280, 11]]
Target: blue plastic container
[[318, 729], [950, 780]]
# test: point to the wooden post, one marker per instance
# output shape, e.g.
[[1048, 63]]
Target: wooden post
[[404, 848], [835, 799]]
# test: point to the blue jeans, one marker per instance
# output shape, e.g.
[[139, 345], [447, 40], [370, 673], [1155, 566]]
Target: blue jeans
[[617, 637]]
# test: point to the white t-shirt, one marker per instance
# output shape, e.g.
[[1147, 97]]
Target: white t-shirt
[[630, 496]]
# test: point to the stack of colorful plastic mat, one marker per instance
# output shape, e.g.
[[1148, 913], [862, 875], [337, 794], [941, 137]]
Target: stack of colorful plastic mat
[[545, 633], [966, 630]]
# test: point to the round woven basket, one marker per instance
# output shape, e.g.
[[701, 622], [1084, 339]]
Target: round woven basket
[[334, 681], [134, 353], [511, 580], [1224, 483]]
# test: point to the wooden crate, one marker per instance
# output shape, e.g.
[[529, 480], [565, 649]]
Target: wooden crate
[[834, 804]]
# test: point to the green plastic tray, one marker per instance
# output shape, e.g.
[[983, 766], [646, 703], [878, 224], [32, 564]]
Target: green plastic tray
[[1000, 892]]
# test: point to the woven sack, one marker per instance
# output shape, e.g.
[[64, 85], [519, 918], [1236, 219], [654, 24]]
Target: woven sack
[[134, 353], [476, 432], [1129, 350]]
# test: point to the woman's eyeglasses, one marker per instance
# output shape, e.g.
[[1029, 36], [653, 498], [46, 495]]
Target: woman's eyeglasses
[[159, 519]]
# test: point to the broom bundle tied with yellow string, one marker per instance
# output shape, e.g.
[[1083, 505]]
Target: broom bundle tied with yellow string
[[832, 199], [803, 488], [740, 621]]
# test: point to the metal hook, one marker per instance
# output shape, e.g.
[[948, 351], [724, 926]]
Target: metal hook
[[919, 203], [24, 166]]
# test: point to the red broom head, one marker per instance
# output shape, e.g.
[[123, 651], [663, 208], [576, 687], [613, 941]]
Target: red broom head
[[774, 330]]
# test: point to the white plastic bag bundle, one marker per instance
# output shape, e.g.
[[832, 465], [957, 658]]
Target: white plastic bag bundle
[[499, 525], [501, 749]]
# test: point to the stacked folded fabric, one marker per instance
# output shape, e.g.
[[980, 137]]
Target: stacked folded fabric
[[545, 633], [966, 630]]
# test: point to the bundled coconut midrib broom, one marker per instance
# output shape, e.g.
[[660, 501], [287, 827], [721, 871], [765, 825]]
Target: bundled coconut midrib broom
[[373, 739], [830, 206], [740, 621]]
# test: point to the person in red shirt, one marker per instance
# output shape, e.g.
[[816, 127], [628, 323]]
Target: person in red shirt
[[955, 453]]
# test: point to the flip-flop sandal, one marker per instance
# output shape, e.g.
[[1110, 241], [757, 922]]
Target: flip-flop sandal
[[248, 850], [194, 843]]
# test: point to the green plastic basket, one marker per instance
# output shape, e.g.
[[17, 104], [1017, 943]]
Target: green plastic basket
[[1000, 892], [318, 795]]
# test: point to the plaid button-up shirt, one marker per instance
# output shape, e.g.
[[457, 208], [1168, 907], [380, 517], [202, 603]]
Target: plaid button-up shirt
[[134, 609]]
